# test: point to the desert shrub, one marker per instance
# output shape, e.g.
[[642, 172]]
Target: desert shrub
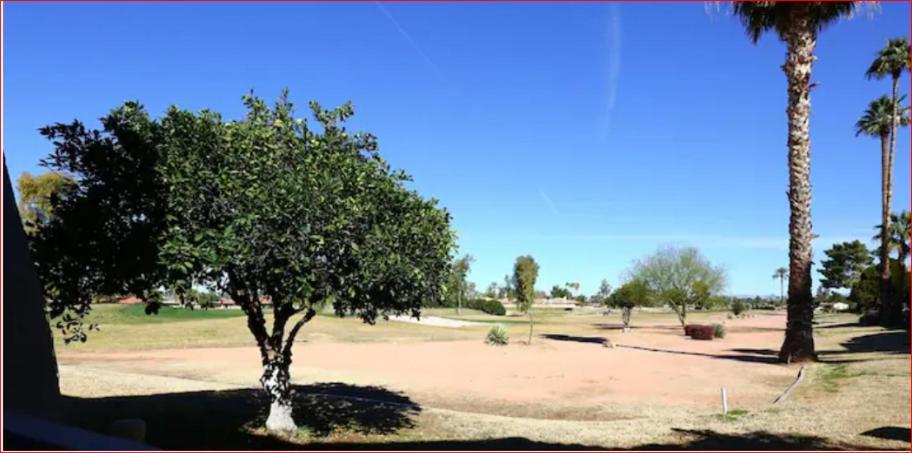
[[489, 306], [738, 307], [719, 330], [497, 336], [702, 332]]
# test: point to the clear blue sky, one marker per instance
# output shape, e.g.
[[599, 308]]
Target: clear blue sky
[[583, 134]]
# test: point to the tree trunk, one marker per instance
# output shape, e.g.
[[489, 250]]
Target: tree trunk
[[681, 313], [625, 317], [531, 325], [800, 40], [781, 289], [888, 312], [276, 383]]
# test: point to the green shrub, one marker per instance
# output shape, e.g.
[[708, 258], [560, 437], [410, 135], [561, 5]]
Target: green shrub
[[738, 307], [489, 306], [497, 336], [719, 330]]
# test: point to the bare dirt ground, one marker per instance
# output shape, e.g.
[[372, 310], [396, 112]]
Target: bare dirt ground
[[561, 388], [648, 365]]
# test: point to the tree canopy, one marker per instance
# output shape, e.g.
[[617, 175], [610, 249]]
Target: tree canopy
[[844, 264], [264, 209], [679, 277], [39, 194]]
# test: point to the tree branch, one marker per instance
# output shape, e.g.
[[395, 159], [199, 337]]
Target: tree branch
[[286, 351]]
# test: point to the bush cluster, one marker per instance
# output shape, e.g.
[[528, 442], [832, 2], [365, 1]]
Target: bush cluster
[[489, 306], [719, 330], [738, 307]]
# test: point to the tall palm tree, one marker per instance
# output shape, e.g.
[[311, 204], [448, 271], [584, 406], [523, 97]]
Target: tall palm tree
[[797, 24], [891, 61], [880, 120], [781, 273]]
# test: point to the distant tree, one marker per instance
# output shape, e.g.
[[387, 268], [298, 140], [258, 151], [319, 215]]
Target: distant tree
[[506, 291], [458, 286], [781, 273], [880, 120], [558, 292], [572, 289], [634, 293], [525, 273], [679, 277], [601, 296], [844, 264], [492, 291], [797, 24], [39, 194]]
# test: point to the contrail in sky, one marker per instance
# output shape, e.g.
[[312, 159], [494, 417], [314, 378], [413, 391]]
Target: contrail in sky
[[411, 41]]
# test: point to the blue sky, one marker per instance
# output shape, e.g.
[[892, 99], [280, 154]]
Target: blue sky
[[584, 134]]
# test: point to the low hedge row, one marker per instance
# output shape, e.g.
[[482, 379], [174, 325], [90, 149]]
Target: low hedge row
[[489, 306]]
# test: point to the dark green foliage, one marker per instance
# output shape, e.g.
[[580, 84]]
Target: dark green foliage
[[105, 234], [760, 17], [525, 272], [560, 292], [866, 291], [844, 264], [489, 306], [738, 306]]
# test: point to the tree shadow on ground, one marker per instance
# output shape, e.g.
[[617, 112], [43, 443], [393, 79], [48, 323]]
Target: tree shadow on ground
[[226, 419], [704, 439], [741, 357], [620, 326], [575, 338], [890, 433]]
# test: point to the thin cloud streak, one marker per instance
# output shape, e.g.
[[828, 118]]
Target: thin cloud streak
[[549, 203], [411, 41]]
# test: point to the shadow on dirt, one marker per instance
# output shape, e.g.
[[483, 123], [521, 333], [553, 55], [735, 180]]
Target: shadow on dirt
[[226, 419]]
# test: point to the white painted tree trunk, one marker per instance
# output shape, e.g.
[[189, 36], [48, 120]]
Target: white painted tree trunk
[[275, 381]]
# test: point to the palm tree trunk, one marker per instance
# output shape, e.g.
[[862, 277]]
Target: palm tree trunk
[[781, 288], [799, 335], [888, 313]]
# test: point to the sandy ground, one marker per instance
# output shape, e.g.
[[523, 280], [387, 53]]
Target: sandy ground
[[652, 365], [435, 321]]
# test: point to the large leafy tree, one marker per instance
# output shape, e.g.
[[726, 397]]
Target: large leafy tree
[[797, 24], [39, 194], [266, 208], [679, 277], [104, 236], [844, 265], [880, 120], [525, 273], [269, 206]]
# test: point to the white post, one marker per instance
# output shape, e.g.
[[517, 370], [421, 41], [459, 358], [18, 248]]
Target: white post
[[724, 401]]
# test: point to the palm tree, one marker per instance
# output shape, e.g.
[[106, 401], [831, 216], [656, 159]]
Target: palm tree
[[900, 224], [878, 121], [891, 61], [797, 24], [781, 273]]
